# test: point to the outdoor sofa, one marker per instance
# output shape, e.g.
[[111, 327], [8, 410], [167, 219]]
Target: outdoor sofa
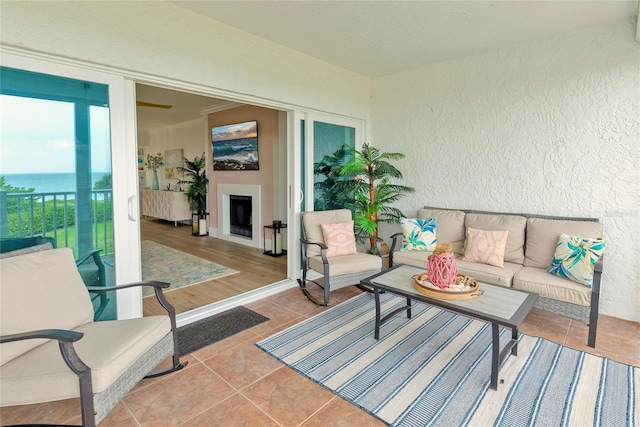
[[530, 247]]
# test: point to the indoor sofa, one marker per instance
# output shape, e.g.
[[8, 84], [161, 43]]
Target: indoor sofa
[[530, 247]]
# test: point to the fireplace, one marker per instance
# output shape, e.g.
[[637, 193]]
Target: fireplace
[[240, 215], [244, 226]]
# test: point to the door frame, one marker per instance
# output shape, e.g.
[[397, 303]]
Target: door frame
[[122, 99]]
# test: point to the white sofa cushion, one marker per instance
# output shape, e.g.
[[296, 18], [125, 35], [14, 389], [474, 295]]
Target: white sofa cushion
[[514, 224], [549, 286], [415, 258], [449, 226], [41, 375], [542, 237], [28, 304], [502, 276]]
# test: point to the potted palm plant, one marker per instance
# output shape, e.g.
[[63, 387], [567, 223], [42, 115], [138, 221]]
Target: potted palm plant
[[369, 171], [197, 191]]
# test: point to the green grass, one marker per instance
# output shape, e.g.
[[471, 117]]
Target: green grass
[[100, 237]]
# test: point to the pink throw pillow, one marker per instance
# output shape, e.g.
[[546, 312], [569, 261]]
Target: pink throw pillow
[[486, 247], [339, 238]]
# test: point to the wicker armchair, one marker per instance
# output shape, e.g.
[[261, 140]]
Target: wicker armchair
[[337, 271], [51, 349]]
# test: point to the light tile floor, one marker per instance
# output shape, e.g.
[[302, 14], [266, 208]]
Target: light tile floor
[[233, 383]]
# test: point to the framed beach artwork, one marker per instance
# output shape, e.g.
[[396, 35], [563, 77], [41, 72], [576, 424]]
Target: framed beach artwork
[[173, 161], [235, 147]]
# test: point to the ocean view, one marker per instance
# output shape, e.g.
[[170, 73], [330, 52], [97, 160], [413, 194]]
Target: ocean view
[[48, 182]]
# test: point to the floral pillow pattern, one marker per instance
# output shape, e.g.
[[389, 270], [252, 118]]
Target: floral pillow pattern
[[575, 258], [418, 234]]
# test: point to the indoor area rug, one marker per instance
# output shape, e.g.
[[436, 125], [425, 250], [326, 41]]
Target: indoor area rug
[[180, 269], [214, 328], [435, 368]]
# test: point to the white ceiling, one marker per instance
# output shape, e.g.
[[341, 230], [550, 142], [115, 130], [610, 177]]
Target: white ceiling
[[377, 38], [185, 107]]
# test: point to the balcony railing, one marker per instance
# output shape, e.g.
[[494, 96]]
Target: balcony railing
[[54, 215]]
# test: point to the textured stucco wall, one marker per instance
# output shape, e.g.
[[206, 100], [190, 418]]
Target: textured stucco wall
[[162, 39], [549, 127]]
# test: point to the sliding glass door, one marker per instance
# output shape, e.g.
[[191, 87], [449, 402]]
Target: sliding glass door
[[57, 175], [324, 140], [56, 171]]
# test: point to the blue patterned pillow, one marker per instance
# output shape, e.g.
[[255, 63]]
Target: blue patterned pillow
[[575, 258], [418, 234]]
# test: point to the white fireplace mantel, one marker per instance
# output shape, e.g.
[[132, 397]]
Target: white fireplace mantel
[[224, 217]]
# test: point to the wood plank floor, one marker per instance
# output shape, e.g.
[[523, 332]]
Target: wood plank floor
[[256, 269]]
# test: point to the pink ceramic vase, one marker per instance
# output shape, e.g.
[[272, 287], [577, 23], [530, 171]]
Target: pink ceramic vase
[[442, 270]]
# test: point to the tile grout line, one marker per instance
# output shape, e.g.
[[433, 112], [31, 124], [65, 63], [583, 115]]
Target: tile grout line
[[335, 396], [239, 392], [566, 335], [135, 419], [258, 407], [236, 391]]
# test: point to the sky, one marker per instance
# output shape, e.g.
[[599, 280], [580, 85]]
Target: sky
[[37, 136], [236, 131]]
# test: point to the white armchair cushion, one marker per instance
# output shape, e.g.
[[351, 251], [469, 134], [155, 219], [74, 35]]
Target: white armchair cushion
[[29, 303], [347, 264], [109, 348]]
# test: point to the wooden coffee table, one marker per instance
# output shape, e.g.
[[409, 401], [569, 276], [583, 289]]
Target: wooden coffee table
[[498, 305]]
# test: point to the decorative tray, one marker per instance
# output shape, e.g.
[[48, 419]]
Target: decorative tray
[[465, 288]]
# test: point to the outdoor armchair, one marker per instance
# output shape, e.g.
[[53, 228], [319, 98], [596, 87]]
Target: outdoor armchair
[[51, 349], [337, 271]]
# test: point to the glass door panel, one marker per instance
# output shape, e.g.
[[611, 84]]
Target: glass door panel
[[324, 140], [328, 156], [55, 172]]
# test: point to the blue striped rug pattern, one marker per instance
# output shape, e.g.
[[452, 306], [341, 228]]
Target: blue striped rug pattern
[[434, 369]]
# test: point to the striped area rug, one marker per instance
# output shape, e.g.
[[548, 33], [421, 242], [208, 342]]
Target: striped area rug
[[434, 369]]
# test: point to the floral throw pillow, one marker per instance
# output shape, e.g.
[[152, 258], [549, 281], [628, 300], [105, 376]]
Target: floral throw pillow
[[339, 238], [485, 247], [418, 234], [575, 258]]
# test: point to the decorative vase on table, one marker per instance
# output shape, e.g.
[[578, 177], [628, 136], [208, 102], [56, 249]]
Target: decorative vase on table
[[442, 269], [156, 185]]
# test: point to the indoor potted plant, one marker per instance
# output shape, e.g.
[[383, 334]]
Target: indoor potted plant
[[369, 172], [153, 163], [197, 191]]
